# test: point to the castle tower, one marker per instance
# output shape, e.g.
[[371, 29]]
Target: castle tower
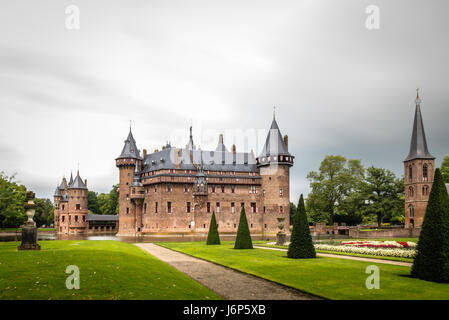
[[57, 202], [419, 167], [126, 163], [274, 163], [77, 205], [137, 197]]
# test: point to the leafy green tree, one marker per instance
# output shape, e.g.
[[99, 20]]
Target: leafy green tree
[[243, 239], [301, 244], [382, 192], [12, 199], [349, 210], [92, 202], [213, 237], [44, 209], [444, 168], [108, 202], [336, 179], [432, 259]]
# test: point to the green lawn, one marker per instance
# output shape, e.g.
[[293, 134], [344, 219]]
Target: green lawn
[[108, 270], [20, 229], [331, 278]]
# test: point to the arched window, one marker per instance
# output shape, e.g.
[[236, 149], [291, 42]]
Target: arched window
[[410, 191], [425, 190], [425, 172], [410, 172], [411, 212]]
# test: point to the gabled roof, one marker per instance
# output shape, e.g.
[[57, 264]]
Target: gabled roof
[[274, 144], [418, 144], [130, 150], [77, 183]]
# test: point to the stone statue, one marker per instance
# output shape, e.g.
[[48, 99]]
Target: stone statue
[[29, 230], [281, 235]]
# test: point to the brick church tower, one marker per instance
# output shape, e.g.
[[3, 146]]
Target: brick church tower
[[127, 162], [419, 167], [274, 164]]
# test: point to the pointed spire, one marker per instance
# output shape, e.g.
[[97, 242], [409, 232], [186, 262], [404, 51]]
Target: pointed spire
[[130, 150], [274, 144], [190, 146], [418, 144], [77, 182], [71, 178]]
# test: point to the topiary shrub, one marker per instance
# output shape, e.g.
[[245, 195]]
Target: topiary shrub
[[301, 244], [213, 237], [432, 258], [243, 240]]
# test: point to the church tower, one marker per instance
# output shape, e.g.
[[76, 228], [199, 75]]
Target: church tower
[[274, 164], [127, 162], [419, 167]]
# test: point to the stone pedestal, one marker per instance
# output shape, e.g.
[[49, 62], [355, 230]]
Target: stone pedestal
[[29, 230], [29, 238], [281, 237]]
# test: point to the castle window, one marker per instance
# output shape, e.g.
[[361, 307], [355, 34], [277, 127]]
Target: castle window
[[63, 218], [242, 204], [218, 207], [76, 218], [222, 188], [233, 188], [84, 218], [281, 192], [63, 207], [232, 207], [188, 207], [78, 206], [186, 188], [410, 172], [411, 211], [252, 189], [168, 187], [208, 207], [425, 190], [155, 207], [168, 207], [425, 172], [155, 188], [253, 207], [281, 209], [213, 188], [127, 210], [264, 209], [410, 191], [145, 208]]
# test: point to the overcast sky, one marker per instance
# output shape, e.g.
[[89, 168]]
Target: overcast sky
[[67, 95]]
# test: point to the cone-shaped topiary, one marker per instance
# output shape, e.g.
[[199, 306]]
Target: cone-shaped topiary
[[243, 240], [301, 244], [213, 237], [432, 258]]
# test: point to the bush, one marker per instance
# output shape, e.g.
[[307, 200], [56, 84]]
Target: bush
[[301, 245], [213, 237], [243, 240], [432, 258]]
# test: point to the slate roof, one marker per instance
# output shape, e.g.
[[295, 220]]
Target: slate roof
[[77, 183], [130, 150], [102, 217], [274, 145], [57, 192], [418, 144]]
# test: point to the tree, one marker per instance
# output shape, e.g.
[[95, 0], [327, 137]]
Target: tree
[[243, 239], [44, 209], [213, 237], [444, 168], [336, 179], [108, 202], [292, 212], [301, 244], [12, 199], [382, 192], [92, 202], [432, 258]]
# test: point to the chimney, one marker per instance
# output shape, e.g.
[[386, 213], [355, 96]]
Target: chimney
[[233, 149], [144, 153], [220, 139], [286, 141], [85, 182]]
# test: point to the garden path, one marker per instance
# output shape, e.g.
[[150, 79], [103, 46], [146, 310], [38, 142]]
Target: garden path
[[329, 255], [228, 283]]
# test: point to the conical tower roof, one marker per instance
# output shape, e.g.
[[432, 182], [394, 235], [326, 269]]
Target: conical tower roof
[[77, 183], [274, 145], [418, 144], [130, 150], [57, 192]]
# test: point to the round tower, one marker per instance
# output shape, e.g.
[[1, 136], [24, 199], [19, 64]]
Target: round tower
[[77, 206], [57, 201], [274, 164], [126, 163]]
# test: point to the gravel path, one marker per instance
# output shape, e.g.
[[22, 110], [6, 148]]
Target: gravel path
[[330, 255], [228, 283]]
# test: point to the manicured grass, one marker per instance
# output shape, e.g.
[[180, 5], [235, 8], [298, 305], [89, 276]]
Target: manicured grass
[[20, 229], [343, 253], [331, 278], [108, 270]]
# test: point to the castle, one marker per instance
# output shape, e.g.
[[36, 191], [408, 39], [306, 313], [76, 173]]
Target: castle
[[419, 168], [177, 189], [71, 214]]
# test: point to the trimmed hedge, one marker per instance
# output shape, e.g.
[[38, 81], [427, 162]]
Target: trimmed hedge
[[213, 237], [301, 244], [432, 258], [243, 240]]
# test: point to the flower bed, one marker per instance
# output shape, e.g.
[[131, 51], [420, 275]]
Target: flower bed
[[376, 251], [380, 244]]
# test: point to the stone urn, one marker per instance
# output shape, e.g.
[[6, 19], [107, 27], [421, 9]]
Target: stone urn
[[281, 236], [29, 230]]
